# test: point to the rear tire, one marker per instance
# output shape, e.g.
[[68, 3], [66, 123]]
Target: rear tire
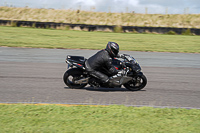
[[137, 83], [71, 75]]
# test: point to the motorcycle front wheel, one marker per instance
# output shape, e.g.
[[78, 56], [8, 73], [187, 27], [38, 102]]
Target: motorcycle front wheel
[[137, 83], [71, 76]]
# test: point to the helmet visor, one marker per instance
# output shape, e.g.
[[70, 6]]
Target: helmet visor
[[115, 51]]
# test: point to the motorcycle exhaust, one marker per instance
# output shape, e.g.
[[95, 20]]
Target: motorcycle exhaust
[[82, 81]]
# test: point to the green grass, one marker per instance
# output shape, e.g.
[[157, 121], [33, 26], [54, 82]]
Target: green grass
[[20, 118], [47, 38]]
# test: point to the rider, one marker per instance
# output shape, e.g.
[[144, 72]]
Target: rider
[[101, 59]]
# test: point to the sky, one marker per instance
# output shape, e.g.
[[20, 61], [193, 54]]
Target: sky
[[137, 6]]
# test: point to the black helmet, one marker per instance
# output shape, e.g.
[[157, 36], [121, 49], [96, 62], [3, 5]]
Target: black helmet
[[112, 48]]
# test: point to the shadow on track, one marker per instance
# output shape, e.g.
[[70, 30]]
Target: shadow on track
[[101, 89]]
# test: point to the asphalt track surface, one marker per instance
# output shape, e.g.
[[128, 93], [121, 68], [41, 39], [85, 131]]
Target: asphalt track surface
[[35, 76]]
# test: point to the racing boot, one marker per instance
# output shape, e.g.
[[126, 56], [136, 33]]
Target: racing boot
[[108, 84]]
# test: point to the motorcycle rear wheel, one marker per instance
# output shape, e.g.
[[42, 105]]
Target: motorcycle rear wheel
[[71, 75], [138, 83]]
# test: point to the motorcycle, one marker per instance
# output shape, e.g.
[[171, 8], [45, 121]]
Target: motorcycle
[[129, 74]]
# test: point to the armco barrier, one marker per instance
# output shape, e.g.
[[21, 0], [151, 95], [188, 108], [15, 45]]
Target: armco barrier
[[160, 30]]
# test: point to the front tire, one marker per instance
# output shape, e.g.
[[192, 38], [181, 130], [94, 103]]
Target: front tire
[[137, 83], [71, 75]]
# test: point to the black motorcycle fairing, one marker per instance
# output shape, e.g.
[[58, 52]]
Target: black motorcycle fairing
[[135, 67], [117, 63]]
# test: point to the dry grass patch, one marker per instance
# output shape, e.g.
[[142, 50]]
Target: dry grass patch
[[101, 18]]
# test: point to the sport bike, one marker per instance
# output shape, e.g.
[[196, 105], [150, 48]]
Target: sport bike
[[129, 74]]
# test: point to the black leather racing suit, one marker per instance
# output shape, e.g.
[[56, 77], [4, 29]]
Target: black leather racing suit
[[98, 61]]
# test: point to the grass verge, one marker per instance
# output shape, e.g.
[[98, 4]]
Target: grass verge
[[47, 38], [53, 118]]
